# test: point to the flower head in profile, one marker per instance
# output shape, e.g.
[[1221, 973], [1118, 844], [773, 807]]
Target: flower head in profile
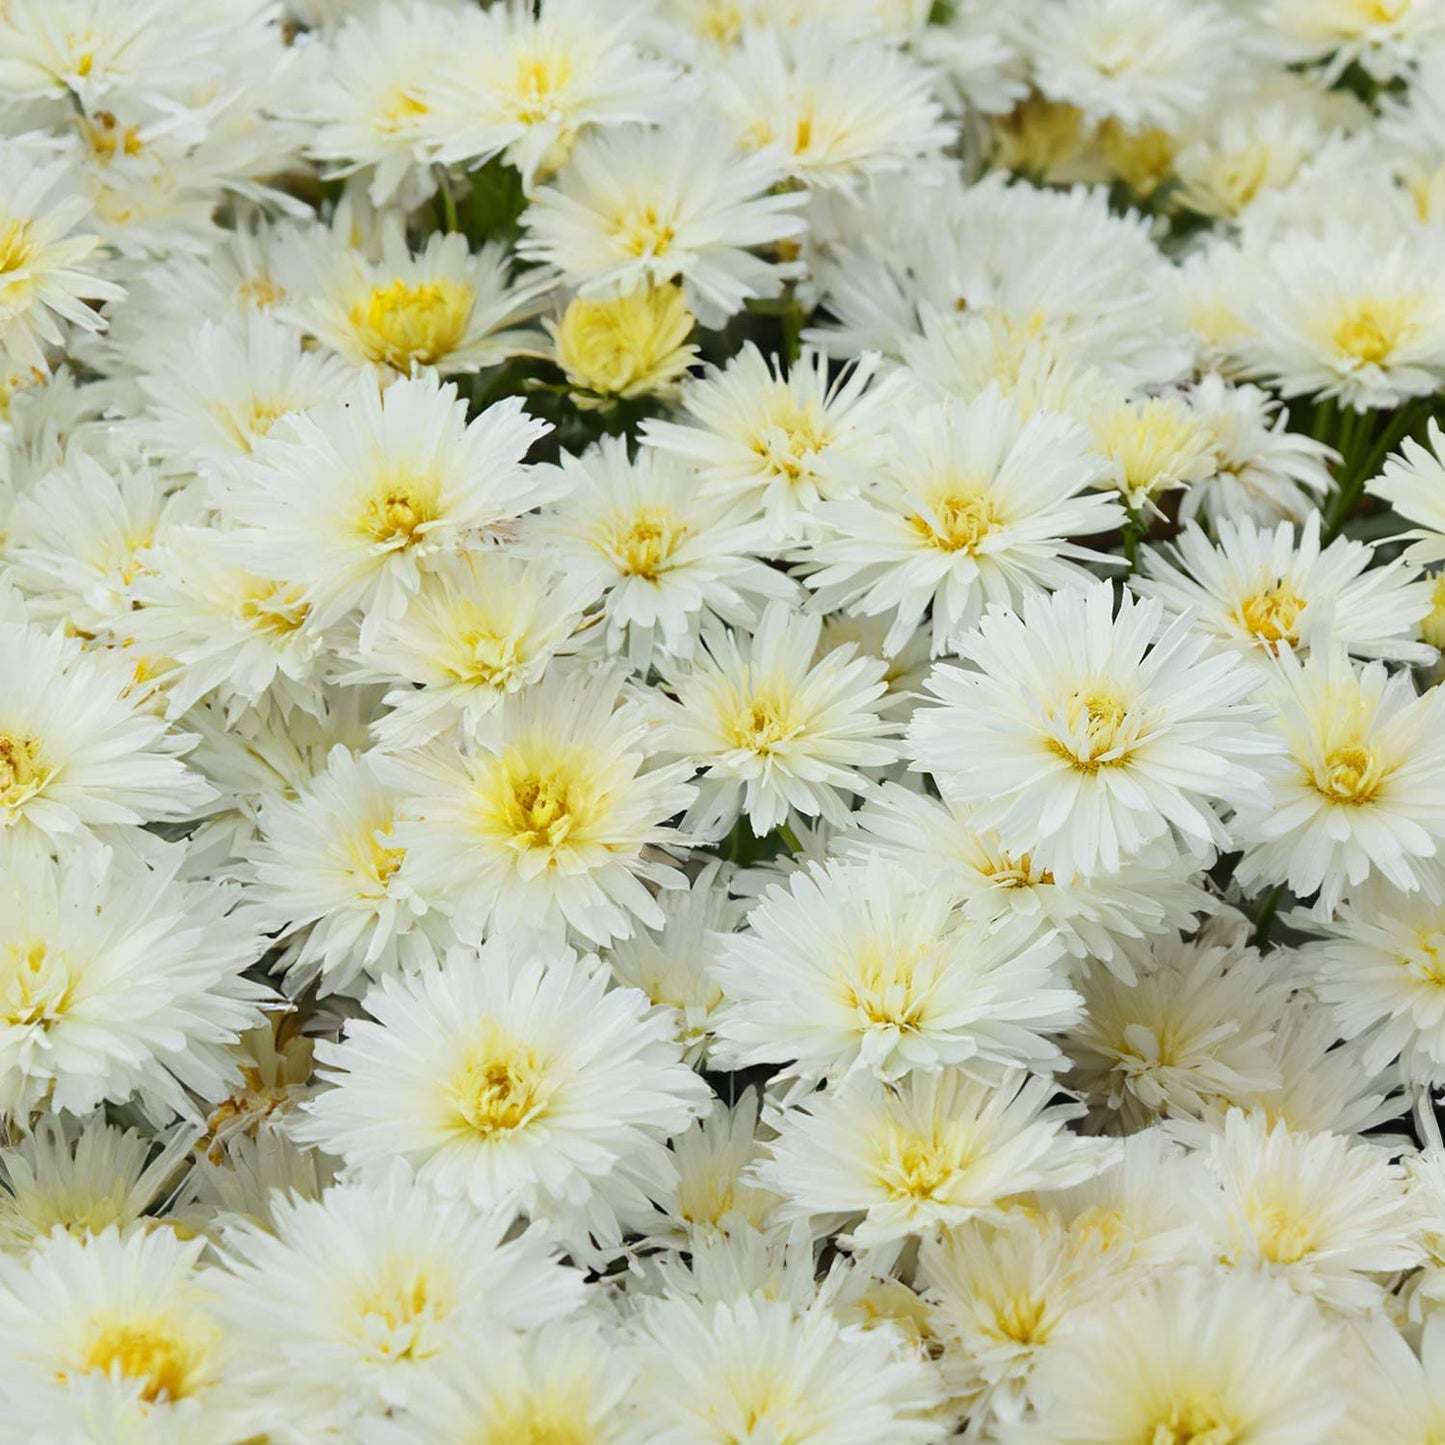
[[1084, 736], [513, 1079], [776, 734], [549, 816]]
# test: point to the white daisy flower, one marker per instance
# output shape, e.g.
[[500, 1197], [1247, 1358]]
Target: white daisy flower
[[1083, 737], [971, 506], [859, 965], [513, 1079], [1193, 1026], [1379, 970], [447, 308], [347, 1304], [1263, 471], [1108, 918], [783, 440], [636, 207], [777, 736], [482, 626], [1140, 62], [661, 553], [40, 283], [1413, 483], [216, 395], [547, 816], [1364, 789], [1320, 1211], [75, 753], [1189, 1356], [836, 109], [525, 85], [1400, 1397], [1385, 38], [1262, 591], [712, 1373], [353, 500], [715, 1189], [120, 982], [938, 1150], [329, 863], [131, 1317], [1340, 315]]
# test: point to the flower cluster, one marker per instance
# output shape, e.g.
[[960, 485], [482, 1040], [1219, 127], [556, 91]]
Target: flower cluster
[[720, 722]]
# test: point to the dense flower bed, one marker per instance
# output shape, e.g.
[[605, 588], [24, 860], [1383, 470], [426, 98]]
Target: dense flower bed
[[719, 722]]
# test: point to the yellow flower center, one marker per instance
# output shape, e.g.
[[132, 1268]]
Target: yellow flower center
[[1142, 159], [107, 137], [403, 109], [1006, 872], [1019, 1318], [38, 987], [401, 323], [1038, 135], [959, 522], [882, 988], [1097, 737], [1372, 331], [16, 246], [148, 1355], [644, 548], [274, 608], [762, 723], [400, 513], [537, 78], [1155, 445], [541, 812], [400, 1310], [1283, 1237], [540, 1424], [501, 1087], [917, 1168], [22, 773], [260, 292], [1351, 775], [794, 434], [1273, 615], [645, 232], [1192, 1422]]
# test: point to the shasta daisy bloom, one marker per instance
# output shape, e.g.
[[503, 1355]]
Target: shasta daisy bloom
[[837, 110], [371, 95], [448, 308], [672, 963], [937, 1150], [1194, 1026], [1261, 591], [134, 1311], [328, 868], [715, 1192], [1379, 970], [565, 1381], [75, 753], [484, 624], [525, 84], [1152, 446], [1413, 483], [87, 1177], [625, 346], [1191, 1356], [119, 982], [1340, 316], [1323, 1212], [662, 554], [971, 505], [776, 734], [1140, 62], [349, 1303], [1384, 36], [231, 634], [859, 965], [353, 500], [222, 390], [513, 1078], [784, 441], [753, 1367], [41, 283], [547, 816], [636, 207], [1363, 789], [1263, 471], [1107, 918], [1083, 737]]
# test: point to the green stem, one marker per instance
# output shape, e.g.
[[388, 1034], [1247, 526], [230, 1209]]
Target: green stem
[[448, 198], [790, 838], [1134, 529], [1268, 909]]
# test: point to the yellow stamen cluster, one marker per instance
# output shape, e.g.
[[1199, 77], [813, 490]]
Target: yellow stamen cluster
[[634, 345], [403, 324]]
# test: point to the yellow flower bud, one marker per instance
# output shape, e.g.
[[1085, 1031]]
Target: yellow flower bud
[[628, 346]]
